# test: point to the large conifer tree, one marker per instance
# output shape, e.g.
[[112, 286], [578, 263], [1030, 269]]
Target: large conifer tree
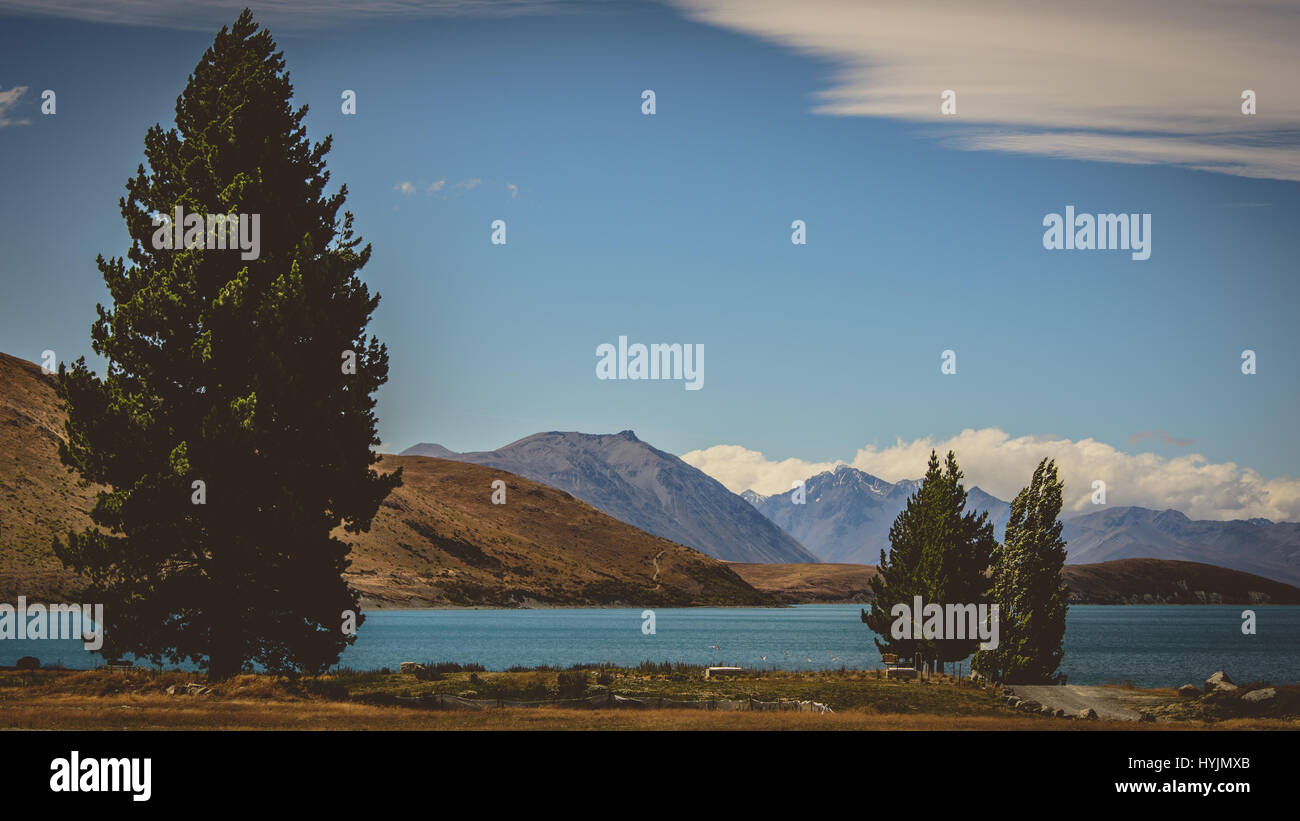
[[900, 572], [231, 372], [1027, 587], [958, 560], [938, 551]]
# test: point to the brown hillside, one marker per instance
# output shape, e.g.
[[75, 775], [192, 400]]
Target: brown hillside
[[1124, 581], [810, 583], [436, 541], [39, 498], [1160, 581]]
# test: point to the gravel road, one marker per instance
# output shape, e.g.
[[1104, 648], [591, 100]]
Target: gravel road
[[1109, 702]]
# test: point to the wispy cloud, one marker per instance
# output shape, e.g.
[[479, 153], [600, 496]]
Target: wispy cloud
[[1002, 464], [1166, 438], [1155, 82], [442, 190], [9, 99], [203, 15]]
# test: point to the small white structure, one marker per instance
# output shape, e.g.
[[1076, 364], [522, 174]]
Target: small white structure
[[722, 671]]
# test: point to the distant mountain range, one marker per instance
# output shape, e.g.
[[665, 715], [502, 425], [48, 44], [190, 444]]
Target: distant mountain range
[[847, 513], [644, 487], [1260, 546]]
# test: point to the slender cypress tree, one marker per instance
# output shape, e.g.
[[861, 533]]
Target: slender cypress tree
[[233, 427], [1027, 586]]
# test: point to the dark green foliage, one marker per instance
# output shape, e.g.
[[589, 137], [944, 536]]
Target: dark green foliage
[[938, 551], [455, 667], [572, 684], [229, 371], [1027, 587]]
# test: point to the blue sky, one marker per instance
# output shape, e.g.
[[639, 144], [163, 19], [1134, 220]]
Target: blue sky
[[676, 228]]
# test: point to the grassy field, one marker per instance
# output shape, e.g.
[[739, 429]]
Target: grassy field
[[107, 700]]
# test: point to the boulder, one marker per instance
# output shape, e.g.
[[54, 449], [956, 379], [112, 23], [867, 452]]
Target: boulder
[[1260, 696], [1088, 713], [1219, 682], [412, 667], [1189, 691], [1059, 714], [1045, 710]]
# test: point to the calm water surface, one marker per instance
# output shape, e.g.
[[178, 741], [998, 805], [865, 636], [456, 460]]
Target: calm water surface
[[1155, 646]]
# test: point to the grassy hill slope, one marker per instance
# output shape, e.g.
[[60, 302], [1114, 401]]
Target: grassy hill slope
[[436, 541]]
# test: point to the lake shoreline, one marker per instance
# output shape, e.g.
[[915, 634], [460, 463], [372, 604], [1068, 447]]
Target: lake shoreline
[[645, 698]]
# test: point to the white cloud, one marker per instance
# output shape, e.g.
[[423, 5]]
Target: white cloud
[[8, 99], [405, 188], [1002, 465], [740, 469], [513, 189], [436, 186], [1109, 80]]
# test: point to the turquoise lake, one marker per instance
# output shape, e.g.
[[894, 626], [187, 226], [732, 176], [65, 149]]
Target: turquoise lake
[[1150, 645]]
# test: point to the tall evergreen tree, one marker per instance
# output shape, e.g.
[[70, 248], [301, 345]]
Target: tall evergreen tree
[[900, 574], [1027, 587], [938, 551], [234, 373], [958, 560]]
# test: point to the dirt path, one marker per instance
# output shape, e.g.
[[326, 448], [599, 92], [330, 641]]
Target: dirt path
[[1109, 702]]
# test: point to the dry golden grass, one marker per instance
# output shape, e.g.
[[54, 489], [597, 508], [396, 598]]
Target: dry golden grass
[[138, 700], [161, 712]]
